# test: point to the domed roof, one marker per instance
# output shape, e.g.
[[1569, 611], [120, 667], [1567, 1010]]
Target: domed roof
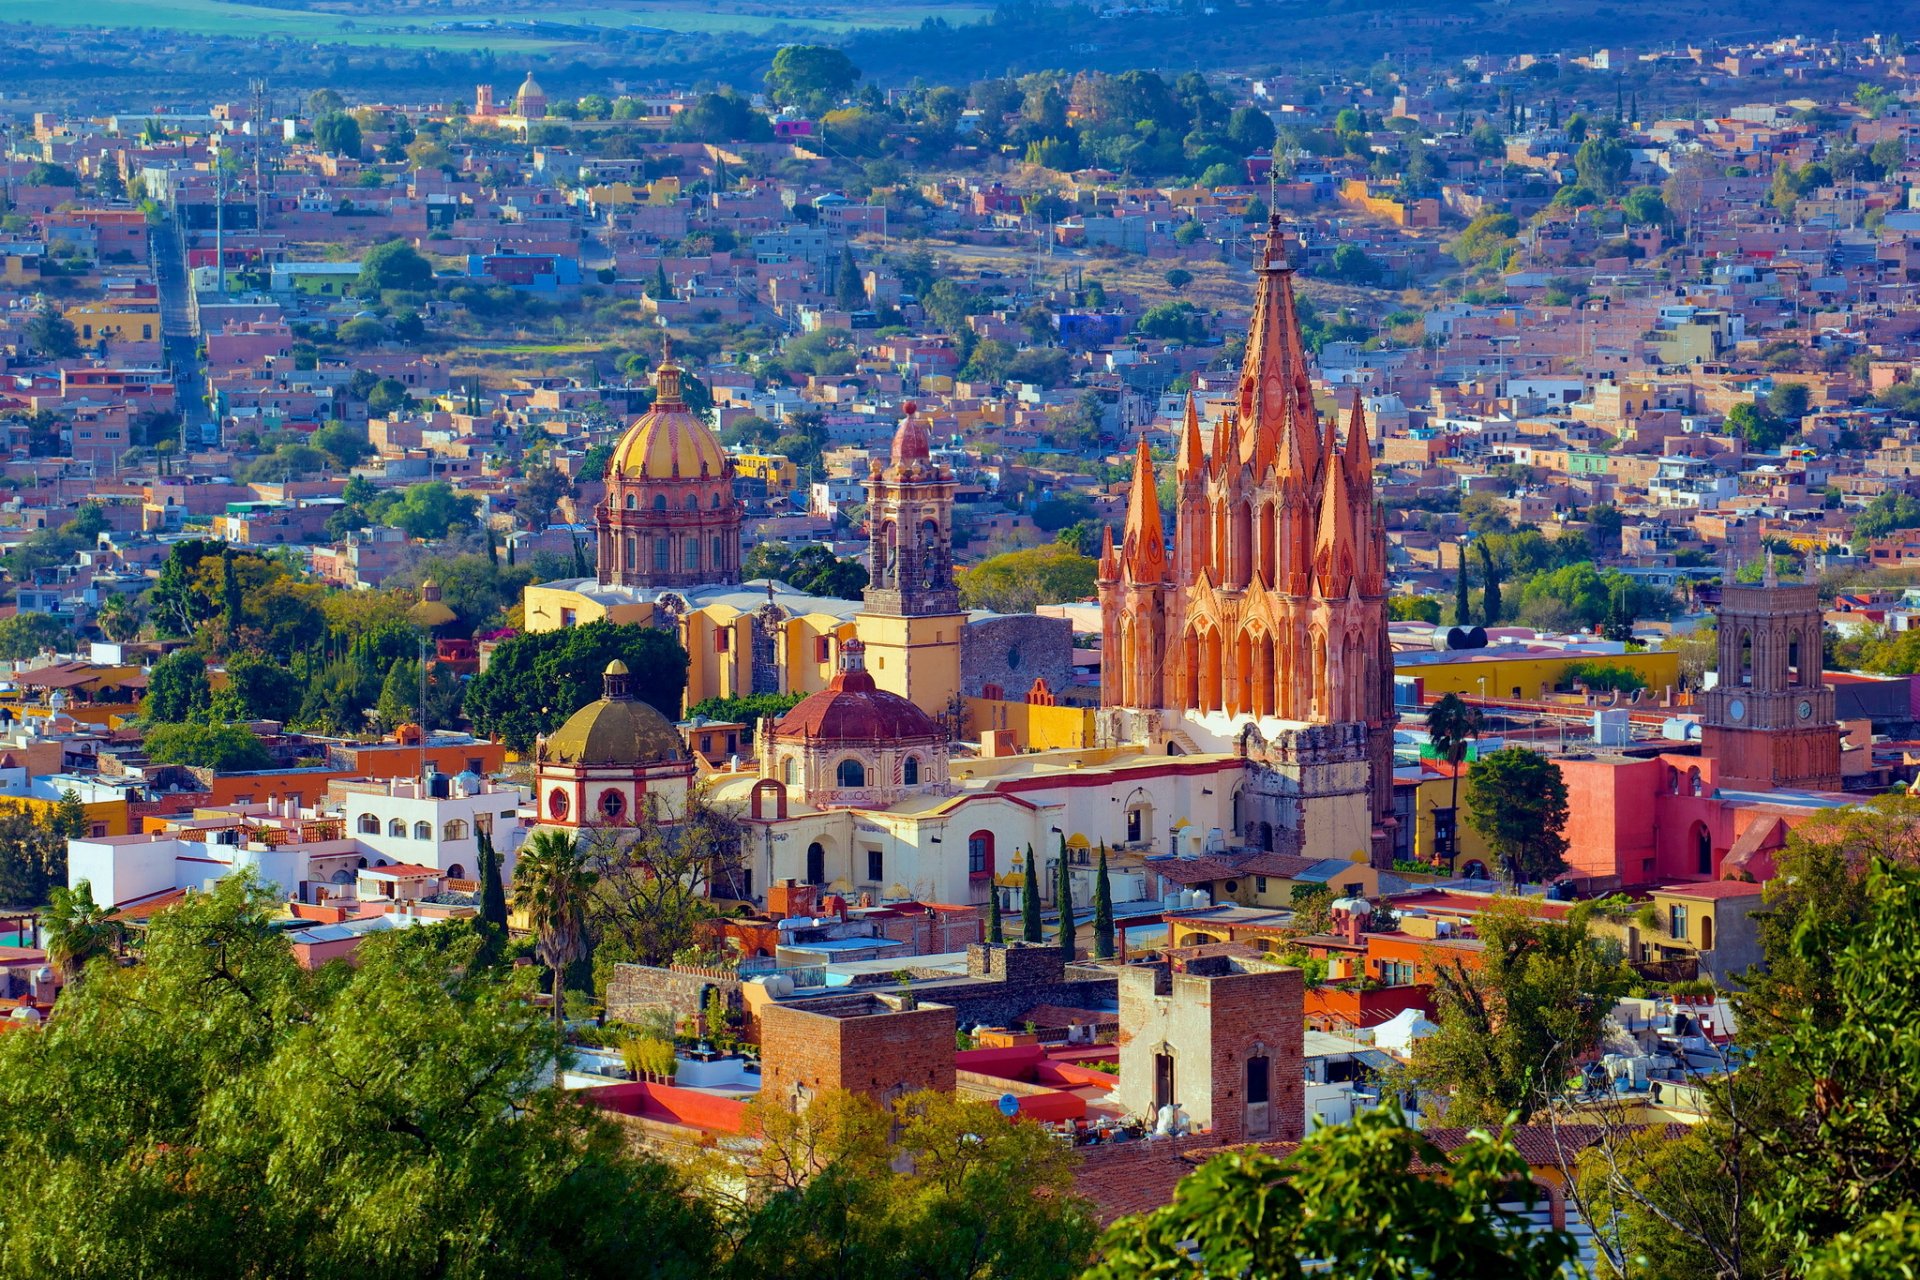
[[669, 441], [853, 709], [618, 729], [910, 440], [530, 88]]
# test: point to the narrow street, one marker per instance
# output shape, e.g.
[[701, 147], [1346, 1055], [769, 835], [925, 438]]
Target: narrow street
[[177, 331]]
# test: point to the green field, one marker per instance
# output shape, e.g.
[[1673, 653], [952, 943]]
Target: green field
[[221, 17]]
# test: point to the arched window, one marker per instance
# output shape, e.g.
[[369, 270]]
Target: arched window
[[369, 824], [632, 502], [1706, 933], [396, 828], [980, 853], [455, 829], [851, 773], [1746, 657], [1702, 849], [716, 502], [423, 831], [816, 864], [910, 771], [1694, 785], [787, 771], [557, 805], [659, 502], [613, 804], [456, 872], [630, 563]]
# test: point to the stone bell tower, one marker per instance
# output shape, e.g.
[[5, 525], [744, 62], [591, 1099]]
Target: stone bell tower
[[1770, 722]]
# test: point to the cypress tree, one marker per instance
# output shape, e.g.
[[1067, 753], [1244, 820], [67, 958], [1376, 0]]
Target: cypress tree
[[1064, 892], [491, 923], [1030, 901], [1102, 910], [995, 934], [1460, 618], [493, 548], [1490, 598]]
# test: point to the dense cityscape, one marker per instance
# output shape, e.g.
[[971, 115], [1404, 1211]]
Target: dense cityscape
[[959, 643]]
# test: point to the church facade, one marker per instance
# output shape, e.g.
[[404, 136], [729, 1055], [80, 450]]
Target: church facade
[[1264, 630]]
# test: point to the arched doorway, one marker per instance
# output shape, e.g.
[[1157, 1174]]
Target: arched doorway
[[1702, 849], [816, 863]]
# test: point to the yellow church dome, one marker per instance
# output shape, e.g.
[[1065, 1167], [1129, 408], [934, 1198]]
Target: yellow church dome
[[619, 729], [669, 441]]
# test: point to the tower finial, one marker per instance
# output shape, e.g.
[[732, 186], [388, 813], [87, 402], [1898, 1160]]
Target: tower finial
[[1769, 578]]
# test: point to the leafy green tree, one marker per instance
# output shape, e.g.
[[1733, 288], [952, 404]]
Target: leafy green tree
[[1369, 1199], [51, 334], [33, 858], [1517, 800], [1645, 206], [811, 75], [347, 446], [69, 818], [338, 133], [1030, 900], [535, 681], [222, 748], [1019, 581], [429, 510], [938, 1187], [176, 1099], [551, 886], [392, 264], [25, 634], [177, 688], [1486, 241], [1103, 939], [1513, 1026]]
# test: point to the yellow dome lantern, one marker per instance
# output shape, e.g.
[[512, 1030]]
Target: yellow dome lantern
[[670, 441]]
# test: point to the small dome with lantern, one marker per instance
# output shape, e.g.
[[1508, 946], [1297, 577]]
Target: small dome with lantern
[[618, 729], [613, 761], [856, 744]]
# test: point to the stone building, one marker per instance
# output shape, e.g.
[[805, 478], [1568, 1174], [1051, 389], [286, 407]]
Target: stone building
[[1265, 630], [1219, 1032], [1770, 721], [883, 1046]]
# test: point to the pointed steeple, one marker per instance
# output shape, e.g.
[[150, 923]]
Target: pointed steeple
[[1144, 546], [1359, 454], [1273, 374], [1220, 456], [1109, 562], [1193, 455]]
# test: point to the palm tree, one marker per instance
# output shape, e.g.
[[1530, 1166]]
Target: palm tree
[[1451, 725], [78, 929], [551, 884]]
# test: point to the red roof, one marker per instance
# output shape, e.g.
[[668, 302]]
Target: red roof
[[853, 709], [402, 871], [1713, 889]]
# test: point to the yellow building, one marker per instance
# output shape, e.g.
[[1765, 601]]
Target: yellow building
[[112, 321], [1524, 676], [776, 470]]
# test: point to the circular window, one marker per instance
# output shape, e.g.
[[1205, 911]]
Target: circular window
[[1013, 659], [557, 805], [612, 805], [1233, 886]]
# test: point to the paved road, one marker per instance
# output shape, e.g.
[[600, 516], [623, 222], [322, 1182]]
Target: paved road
[[177, 330]]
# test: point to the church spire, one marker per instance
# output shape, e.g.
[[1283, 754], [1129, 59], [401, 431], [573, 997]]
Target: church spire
[[1273, 374], [1359, 455], [1144, 545], [1109, 562], [1193, 455]]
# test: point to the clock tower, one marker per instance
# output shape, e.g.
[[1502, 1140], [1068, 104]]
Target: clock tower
[[1770, 721]]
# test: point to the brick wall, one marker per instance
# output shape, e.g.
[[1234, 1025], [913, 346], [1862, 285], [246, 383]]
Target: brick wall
[[1211, 1018], [863, 1044]]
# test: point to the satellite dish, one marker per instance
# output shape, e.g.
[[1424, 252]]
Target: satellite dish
[[1009, 1105]]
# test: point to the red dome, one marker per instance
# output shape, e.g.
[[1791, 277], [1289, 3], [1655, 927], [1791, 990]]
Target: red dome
[[853, 709], [910, 440]]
